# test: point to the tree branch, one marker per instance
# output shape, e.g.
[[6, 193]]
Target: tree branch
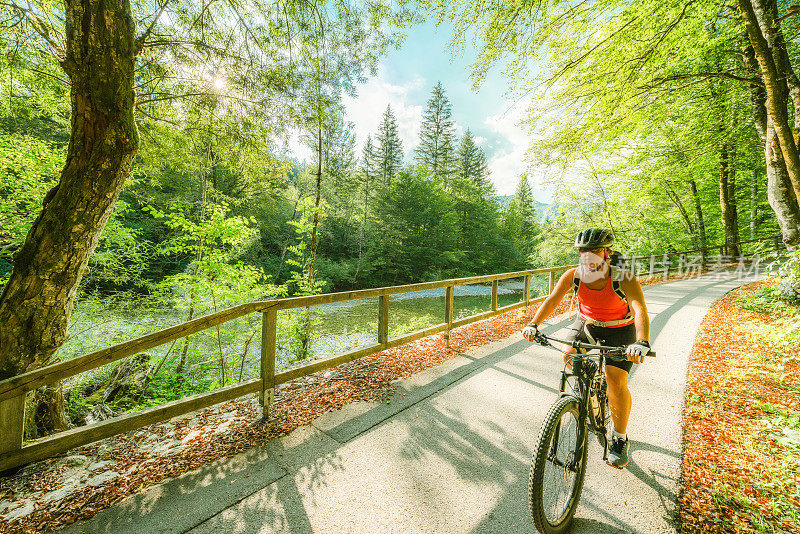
[[700, 76], [39, 26], [644, 57], [140, 40]]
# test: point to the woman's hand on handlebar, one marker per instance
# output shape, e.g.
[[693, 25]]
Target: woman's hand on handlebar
[[637, 351], [531, 333]]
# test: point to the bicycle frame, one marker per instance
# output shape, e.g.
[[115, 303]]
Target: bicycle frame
[[559, 463], [584, 382]]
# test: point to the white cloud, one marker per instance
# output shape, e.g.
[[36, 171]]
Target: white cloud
[[506, 164], [479, 140], [366, 110]]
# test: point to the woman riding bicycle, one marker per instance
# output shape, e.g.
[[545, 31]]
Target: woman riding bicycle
[[611, 311]]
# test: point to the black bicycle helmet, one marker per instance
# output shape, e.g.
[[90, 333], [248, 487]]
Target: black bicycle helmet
[[593, 238]]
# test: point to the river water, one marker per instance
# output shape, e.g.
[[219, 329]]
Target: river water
[[339, 327]]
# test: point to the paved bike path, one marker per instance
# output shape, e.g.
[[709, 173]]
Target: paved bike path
[[450, 452]]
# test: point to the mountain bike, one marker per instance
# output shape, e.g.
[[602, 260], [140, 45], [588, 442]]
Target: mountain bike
[[559, 464]]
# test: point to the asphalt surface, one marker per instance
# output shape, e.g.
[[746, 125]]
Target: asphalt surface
[[449, 453]]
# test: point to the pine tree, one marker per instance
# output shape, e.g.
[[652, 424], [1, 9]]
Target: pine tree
[[523, 202], [472, 166], [520, 219], [437, 137], [390, 148], [369, 180]]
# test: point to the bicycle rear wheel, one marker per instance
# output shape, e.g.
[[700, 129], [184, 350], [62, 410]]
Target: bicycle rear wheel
[[558, 468]]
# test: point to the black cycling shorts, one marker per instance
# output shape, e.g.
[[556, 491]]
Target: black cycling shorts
[[619, 336]]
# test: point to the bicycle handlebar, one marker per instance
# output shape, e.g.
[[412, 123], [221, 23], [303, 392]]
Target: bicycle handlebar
[[588, 346]]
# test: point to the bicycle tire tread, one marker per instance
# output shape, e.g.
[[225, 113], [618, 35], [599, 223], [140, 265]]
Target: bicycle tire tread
[[537, 469]]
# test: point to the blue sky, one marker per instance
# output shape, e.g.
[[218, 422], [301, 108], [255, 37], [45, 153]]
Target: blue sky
[[405, 80]]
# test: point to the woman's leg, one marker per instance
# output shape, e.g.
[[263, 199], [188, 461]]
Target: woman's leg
[[619, 397]]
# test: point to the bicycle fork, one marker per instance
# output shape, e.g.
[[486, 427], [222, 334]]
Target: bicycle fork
[[582, 423]]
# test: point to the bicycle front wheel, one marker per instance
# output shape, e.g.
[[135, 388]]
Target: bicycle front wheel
[[558, 468]]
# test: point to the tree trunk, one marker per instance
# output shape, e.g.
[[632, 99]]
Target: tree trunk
[[780, 194], [204, 179], [726, 202], [673, 196], [779, 191], [701, 225], [48, 411], [753, 204], [734, 210], [766, 38], [305, 338], [38, 299]]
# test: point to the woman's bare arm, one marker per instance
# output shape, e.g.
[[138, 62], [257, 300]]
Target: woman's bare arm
[[563, 286]]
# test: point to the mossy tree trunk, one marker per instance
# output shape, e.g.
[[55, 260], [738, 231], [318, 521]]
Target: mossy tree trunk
[[100, 48], [780, 193]]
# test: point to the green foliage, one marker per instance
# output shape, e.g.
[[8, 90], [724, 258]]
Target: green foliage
[[29, 167], [519, 221], [214, 279], [437, 141], [472, 166], [304, 279], [418, 229], [390, 148], [789, 273], [166, 387], [631, 105]]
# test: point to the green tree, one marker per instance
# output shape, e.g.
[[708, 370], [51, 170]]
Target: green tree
[[419, 230], [437, 137], [303, 280], [185, 50], [520, 219], [390, 148], [472, 165], [615, 67]]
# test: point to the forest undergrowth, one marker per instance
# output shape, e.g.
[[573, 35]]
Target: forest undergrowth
[[741, 464]]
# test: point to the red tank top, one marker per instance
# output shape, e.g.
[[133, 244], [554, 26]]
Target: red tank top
[[602, 304]]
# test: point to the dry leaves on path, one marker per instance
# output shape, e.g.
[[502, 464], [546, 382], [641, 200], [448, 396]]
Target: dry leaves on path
[[739, 475]]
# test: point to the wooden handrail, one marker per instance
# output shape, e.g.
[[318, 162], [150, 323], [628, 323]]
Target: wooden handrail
[[31, 380], [711, 247]]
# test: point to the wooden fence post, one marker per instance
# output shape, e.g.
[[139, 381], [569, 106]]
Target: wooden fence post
[[449, 298], [551, 283], [527, 291], [269, 327], [495, 285], [12, 422], [383, 319]]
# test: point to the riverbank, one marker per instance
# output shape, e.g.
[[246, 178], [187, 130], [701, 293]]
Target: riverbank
[[741, 465]]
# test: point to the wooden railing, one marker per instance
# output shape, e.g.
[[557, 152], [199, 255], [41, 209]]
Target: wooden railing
[[12, 391], [14, 453]]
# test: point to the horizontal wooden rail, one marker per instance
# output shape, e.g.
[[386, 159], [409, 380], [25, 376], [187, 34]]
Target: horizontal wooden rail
[[50, 445], [711, 247], [31, 380]]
